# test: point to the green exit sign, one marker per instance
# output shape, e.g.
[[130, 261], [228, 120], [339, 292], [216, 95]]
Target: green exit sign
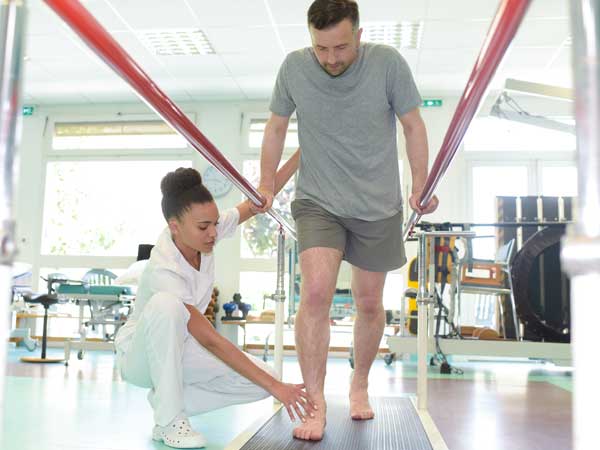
[[28, 110], [432, 102]]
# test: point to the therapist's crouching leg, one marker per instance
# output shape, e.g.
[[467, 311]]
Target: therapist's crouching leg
[[155, 356]]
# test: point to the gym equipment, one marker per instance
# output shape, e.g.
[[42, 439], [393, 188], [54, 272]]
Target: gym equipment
[[542, 290], [236, 309], [46, 300]]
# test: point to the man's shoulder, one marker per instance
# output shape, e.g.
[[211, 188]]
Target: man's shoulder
[[381, 51], [297, 56]]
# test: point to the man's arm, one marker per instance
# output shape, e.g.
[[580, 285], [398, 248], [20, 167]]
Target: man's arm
[[417, 151], [247, 208], [272, 148]]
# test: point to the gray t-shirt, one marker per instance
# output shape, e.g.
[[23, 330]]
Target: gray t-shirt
[[347, 129]]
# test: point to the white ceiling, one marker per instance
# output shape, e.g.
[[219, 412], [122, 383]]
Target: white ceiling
[[251, 38]]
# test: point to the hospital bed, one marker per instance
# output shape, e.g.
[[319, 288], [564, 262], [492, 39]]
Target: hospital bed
[[102, 306]]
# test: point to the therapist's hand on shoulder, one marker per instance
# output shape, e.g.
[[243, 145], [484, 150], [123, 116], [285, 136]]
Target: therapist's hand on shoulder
[[295, 399]]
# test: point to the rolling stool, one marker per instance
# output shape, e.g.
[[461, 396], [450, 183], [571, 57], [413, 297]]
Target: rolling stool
[[45, 300]]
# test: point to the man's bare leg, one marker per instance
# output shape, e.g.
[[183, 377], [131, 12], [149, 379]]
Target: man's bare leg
[[319, 267], [367, 293]]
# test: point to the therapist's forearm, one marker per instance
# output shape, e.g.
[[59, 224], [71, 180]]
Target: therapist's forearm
[[231, 355], [203, 331]]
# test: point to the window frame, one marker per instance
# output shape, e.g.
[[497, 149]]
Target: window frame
[[49, 155], [534, 161], [247, 119]]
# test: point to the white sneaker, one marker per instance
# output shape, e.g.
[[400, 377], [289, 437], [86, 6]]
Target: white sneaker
[[179, 434]]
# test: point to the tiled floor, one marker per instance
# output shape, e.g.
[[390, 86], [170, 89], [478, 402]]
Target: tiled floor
[[492, 406]]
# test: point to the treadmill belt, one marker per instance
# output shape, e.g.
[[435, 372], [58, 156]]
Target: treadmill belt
[[396, 426]]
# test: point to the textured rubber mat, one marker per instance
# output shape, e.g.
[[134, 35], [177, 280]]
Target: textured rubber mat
[[396, 427]]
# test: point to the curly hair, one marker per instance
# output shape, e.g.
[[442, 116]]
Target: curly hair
[[180, 189]]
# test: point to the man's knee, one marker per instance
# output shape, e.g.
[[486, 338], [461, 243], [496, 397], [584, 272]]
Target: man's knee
[[369, 305], [316, 298]]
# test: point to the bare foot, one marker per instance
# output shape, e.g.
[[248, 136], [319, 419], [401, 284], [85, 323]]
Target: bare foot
[[360, 408], [314, 427]]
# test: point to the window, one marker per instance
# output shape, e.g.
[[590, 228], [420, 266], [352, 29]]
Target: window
[[259, 234], [255, 285], [115, 135], [559, 180], [520, 160], [103, 208], [490, 181], [256, 130]]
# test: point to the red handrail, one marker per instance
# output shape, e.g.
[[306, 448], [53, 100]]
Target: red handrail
[[100, 41], [508, 17]]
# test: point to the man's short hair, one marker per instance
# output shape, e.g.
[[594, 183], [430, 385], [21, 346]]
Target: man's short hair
[[324, 14]]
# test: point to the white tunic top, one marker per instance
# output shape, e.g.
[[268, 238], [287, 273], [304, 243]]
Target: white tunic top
[[168, 271]]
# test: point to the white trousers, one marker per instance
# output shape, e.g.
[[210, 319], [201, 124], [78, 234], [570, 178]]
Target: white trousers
[[183, 377]]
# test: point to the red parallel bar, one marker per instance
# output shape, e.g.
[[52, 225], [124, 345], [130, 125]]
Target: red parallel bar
[[86, 26], [502, 30]]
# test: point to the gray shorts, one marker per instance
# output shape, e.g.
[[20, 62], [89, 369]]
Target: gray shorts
[[376, 246]]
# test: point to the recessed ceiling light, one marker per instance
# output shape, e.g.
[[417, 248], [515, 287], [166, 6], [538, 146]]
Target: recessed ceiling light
[[397, 34], [176, 42]]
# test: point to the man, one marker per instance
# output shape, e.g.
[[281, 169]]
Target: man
[[348, 198]]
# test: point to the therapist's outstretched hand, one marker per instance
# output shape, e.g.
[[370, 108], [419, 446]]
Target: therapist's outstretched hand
[[295, 399]]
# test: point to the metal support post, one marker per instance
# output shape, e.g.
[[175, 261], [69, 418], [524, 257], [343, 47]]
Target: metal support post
[[581, 247], [12, 28]]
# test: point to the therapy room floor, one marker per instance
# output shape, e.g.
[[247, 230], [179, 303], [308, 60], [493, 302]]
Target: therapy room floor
[[494, 405]]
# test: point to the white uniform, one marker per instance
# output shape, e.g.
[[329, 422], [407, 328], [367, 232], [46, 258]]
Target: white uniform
[[155, 349]]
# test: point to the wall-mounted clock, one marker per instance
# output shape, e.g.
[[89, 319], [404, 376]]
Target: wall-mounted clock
[[215, 182]]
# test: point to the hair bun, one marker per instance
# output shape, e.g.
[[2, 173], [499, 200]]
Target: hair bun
[[181, 180]]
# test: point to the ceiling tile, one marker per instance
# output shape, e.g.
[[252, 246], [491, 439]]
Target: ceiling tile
[[224, 88], [527, 58], [462, 9], [391, 10], [56, 92], [439, 34], [294, 37], [104, 15], [150, 64], [548, 8], [542, 32], [231, 13], [251, 40], [52, 47], [196, 65], [154, 14], [289, 12], [41, 19], [249, 65], [447, 61], [256, 88]]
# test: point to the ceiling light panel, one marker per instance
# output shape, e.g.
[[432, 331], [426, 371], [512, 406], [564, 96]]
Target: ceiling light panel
[[397, 34], [176, 42]]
